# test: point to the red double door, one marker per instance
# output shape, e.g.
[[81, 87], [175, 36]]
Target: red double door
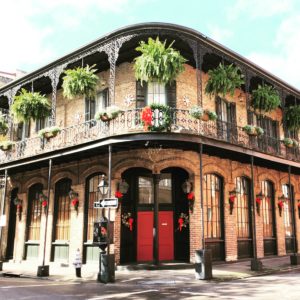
[[145, 236]]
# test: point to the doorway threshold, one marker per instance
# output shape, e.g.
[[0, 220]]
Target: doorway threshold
[[161, 266]]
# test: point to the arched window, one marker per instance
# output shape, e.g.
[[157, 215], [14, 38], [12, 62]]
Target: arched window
[[61, 226], [213, 224], [288, 218], [91, 215], [244, 233], [33, 221], [267, 209]]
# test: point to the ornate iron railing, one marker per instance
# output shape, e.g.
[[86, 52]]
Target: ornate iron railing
[[130, 122]]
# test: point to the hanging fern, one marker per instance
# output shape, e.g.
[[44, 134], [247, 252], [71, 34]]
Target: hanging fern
[[265, 98], [158, 62], [29, 105], [292, 118], [80, 82], [224, 79]]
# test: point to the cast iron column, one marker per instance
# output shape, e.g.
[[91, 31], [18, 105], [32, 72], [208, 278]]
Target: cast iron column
[[109, 195], [256, 264], [2, 213], [156, 178], [201, 194]]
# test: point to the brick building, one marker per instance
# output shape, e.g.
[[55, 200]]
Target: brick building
[[211, 158]]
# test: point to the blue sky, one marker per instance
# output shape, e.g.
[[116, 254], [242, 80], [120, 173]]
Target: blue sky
[[35, 32]]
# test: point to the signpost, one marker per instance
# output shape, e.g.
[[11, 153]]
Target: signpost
[[106, 202]]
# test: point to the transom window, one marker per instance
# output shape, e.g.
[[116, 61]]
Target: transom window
[[212, 201], [156, 93], [242, 207]]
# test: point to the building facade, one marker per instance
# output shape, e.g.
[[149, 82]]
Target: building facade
[[197, 184]]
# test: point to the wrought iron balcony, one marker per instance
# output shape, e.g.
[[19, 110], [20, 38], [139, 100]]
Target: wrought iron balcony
[[129, 122]]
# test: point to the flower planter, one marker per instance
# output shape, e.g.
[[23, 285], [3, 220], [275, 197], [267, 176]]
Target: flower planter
[[205, 117], [105, 118]]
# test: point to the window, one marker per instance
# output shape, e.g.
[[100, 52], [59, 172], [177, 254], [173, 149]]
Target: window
[[267, 209], [23, 130], [62, 210], [212, 206], [93, 195], [156, 93], [242, 207], [41, 123], [34, 213], [287, 211], [93, 105]]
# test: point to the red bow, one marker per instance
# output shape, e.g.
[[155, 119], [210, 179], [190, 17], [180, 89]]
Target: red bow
[[44, 203], [130, 221], [75, 202], [180, 222], [280, 204], [190, 196], [231, 198], [258, 201], [118, 194]]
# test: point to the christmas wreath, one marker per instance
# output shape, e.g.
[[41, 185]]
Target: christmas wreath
[[127, 220], [183, 221]]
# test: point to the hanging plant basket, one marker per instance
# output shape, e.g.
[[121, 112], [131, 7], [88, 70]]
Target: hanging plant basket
[[29, 105], [158, 62], [6, 145], [80, 82], [223, 80], [108, 113], [292, 117], [253, 130], [49, 132], [265, 98]]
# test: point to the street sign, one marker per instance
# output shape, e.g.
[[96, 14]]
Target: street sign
[[106, 202]]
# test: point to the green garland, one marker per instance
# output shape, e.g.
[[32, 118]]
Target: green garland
[[166, 117]]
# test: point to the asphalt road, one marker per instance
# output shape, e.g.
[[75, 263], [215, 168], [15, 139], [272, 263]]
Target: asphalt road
[[279, 286]]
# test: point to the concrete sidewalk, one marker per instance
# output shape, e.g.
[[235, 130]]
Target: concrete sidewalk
[[167, 273]]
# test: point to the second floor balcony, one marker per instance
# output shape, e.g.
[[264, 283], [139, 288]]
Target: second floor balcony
[[129, 123]]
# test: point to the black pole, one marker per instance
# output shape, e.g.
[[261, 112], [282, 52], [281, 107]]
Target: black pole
[[291, 196], [201, 193], [156, 178], [109, 195], [256, 264], [2, 214]]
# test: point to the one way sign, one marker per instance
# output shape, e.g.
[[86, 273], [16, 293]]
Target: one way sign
[[107, 202]]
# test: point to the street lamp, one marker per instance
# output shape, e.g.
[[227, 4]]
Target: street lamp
[[186, 187], [103, 186]]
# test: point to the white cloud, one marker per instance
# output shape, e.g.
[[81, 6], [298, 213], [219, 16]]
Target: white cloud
[[259, 8], [285, 64], [219, 34]]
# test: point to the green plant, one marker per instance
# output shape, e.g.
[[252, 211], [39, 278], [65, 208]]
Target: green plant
[[292, 118], [265, 98], [212, 115], [3, 125], [253, 130], [49, 132], [80, 82], [6, 145], [224, 79], [108, 113], [158, 62], [288, 142], [196, 112], [29, 105]]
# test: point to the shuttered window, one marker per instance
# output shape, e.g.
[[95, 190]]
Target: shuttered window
[[23, 130], [287, 211], [93, 105], [267, 207]]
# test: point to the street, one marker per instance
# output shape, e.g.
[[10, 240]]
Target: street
[[278, 286]]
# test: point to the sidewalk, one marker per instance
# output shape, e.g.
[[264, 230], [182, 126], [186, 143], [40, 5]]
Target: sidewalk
[[167, 274]]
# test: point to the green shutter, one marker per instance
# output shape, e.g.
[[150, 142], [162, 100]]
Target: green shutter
[[141, 94], [171, 94]]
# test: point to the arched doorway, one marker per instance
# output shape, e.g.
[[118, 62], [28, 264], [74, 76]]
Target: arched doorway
[[268, 215], [213, 215], [11, 225], [243, 217], [137, 241], [61, 221], [33, 222]]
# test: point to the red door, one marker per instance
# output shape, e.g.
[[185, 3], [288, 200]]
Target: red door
[[145, 236], [166, 236]]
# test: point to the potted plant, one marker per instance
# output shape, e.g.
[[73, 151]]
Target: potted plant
[[49, 132], [288, 142], [80, 82], [292, 117], [253, 130], [3, 125], [196, 112], [108, 113], [158, 62], [224, 79], [265, 98], [6, 145], [29, 105]]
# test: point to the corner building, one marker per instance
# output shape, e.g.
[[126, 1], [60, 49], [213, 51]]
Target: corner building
[[214, 157]]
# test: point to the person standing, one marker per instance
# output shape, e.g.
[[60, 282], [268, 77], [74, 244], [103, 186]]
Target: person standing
[[77, 262]]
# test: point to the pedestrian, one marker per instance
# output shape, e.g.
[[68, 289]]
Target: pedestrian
[[77, 262]]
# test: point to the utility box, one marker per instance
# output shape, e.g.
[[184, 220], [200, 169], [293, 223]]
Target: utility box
[[106, 268], [203, 264]]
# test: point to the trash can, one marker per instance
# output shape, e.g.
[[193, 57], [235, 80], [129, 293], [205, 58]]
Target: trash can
[[43, 271], [203, 264], [106, 268]]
